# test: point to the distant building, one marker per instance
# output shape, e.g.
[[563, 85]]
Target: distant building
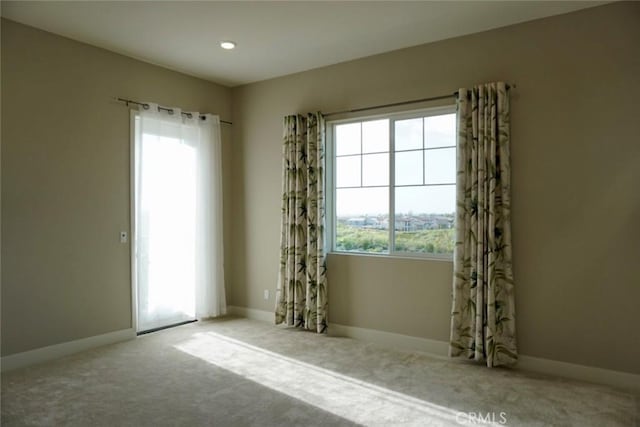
[[403, 222], [364, 222]]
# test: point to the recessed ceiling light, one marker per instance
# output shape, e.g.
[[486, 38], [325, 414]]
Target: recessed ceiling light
[[227, 44]]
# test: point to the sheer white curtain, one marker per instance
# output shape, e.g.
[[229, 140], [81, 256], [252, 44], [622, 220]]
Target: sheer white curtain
[[178, 239]]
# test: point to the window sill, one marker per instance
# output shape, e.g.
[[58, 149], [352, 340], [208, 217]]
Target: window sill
[[395, 256]]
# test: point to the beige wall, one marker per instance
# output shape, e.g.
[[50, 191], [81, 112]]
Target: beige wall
[[65, 182], [576, 174], [575, 154]]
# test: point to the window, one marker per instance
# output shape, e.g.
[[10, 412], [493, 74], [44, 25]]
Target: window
[[393, 184]]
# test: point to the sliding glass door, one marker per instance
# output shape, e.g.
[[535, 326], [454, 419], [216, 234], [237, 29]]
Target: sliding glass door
[[165, 223]]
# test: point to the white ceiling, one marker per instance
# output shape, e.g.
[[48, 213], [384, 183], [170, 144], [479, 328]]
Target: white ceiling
[[274, 38]]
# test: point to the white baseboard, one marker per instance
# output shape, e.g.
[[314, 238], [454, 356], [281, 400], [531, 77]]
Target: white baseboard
[[592, 374], [251, 313], [39, 355], [623, 380], [390, 340]]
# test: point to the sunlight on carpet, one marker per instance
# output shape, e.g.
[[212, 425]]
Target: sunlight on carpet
[[346, 397]]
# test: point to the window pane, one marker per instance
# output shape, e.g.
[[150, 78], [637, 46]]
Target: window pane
[[408, 134], [425, 219], [440, 166], [348, 139], [348, 171], [426, 241], [375, 136], [362, 220], [426, 200], [409, 167], [440, 131], [375, 169]]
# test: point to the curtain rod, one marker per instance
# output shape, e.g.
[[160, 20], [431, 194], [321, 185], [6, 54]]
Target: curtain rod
[[396, 104], [168, 110]]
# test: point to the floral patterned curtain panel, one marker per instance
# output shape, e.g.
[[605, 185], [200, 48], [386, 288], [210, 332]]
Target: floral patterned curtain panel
[[301, 296], [483, 313]]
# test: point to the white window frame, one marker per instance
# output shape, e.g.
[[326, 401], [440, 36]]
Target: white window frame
[[330, 179]]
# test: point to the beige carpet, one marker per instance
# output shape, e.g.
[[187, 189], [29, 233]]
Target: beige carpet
[[237, 372]]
